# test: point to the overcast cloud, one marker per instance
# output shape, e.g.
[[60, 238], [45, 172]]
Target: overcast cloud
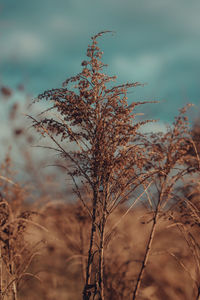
[[157, 42]]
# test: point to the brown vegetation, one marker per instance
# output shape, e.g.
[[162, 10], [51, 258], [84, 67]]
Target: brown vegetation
[[130, 229]]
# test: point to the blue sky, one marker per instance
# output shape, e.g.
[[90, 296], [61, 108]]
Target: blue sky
[[157, 42]]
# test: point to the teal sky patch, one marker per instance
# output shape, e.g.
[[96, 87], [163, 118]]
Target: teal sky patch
[[156, 42]]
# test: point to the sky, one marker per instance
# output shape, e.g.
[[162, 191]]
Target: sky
[[157, 42]]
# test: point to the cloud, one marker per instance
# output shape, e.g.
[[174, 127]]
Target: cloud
[[157, 42], [142, 66], [22, 45], [154, 127], [65, 24]]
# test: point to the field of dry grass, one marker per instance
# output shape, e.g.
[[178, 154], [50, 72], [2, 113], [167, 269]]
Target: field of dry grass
[[61, 252], [44, 246]]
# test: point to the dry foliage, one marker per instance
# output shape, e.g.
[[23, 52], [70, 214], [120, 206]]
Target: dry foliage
[[132, 231]]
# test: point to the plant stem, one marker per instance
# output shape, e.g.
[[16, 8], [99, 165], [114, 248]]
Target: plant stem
[[198, 295], [101, 257], [86, 291], [147, 252]]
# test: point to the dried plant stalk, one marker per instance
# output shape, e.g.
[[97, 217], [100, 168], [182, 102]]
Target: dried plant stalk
[[107, 154]]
